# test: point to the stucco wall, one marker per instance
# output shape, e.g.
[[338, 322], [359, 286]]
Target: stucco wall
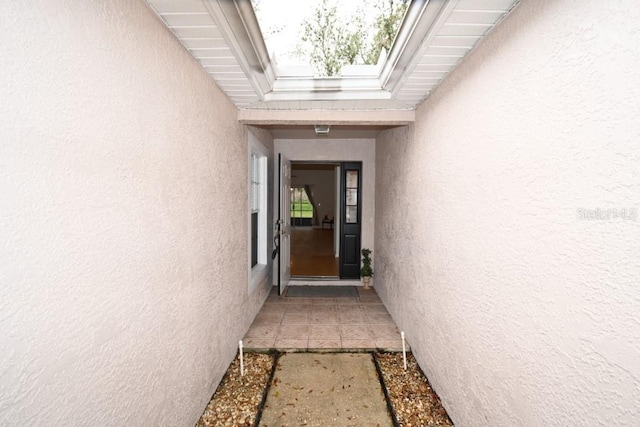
[[520, 312], [123, 260], [340, 150]]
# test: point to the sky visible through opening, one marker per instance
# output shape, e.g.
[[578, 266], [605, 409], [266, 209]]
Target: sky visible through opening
[[281, 22]]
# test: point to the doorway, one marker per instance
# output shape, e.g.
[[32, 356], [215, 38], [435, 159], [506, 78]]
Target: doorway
[[314, 209]]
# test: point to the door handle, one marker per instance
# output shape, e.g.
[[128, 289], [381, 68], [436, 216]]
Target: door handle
[[276, 242], [276, 250]]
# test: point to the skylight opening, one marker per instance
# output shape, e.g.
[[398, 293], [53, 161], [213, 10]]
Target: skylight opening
[[321, 37]]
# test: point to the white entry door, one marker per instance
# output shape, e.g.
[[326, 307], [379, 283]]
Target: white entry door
[[284, 223]]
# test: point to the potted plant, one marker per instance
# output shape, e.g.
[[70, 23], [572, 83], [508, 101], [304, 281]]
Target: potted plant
[[366, 271]]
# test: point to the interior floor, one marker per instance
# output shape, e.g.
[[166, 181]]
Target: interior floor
[[312, 253], [295, 323]]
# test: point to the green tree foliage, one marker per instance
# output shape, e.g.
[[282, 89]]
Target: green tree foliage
[[391, 13], [330, 42]]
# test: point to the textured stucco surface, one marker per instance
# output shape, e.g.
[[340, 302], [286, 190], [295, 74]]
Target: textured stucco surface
[[520, 313], [123, 193], [341, 150]]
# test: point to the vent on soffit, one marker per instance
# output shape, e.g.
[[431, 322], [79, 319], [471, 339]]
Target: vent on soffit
[[322, 130]]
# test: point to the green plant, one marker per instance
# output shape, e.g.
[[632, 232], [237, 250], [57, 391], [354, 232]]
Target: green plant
[[366, 269], [330, 41]]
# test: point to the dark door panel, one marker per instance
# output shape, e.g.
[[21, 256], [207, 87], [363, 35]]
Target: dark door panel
[[351, 245]]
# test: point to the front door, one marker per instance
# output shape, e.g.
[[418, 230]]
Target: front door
[[284, 222], [350, 220]]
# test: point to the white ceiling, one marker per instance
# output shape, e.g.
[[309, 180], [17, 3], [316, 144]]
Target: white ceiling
[[224, 37]]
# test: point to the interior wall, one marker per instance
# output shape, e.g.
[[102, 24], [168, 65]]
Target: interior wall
[[123, 177], [340, 150], [507, 231], [322, 187]]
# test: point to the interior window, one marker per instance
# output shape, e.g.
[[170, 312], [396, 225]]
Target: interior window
[[301, 207]]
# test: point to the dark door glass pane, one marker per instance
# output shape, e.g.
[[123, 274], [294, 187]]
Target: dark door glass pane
[[254, 239]]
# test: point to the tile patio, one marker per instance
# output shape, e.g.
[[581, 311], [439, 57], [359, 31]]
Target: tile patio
[[294, 323]]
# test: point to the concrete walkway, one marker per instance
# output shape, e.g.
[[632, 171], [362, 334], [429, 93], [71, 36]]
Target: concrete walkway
[[325, 389]]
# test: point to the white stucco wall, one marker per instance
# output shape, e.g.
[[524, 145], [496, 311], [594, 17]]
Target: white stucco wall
[[123, 188], [340, 150], [520, 312]]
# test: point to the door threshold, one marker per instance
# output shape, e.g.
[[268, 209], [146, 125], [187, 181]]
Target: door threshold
[[314, 278], [314, 281]]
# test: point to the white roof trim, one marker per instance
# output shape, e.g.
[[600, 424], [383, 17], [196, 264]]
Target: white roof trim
[[225, 37]]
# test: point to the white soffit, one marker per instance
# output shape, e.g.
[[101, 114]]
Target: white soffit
[[194, 23], [458, 26], [225, 38]]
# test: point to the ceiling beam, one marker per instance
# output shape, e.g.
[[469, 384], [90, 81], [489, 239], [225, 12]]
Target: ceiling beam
[[326, 117]]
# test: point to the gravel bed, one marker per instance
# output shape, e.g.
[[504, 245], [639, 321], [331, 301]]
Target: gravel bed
[[237, 400], [414, 401]]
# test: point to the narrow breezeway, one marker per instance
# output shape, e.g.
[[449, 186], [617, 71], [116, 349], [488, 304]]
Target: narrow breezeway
[[501, 208], [296, 323]]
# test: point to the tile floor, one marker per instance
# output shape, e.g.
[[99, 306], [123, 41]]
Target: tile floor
[[294, 323]]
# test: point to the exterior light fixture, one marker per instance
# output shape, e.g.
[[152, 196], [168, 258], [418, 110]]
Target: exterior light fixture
[[322, 130]]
